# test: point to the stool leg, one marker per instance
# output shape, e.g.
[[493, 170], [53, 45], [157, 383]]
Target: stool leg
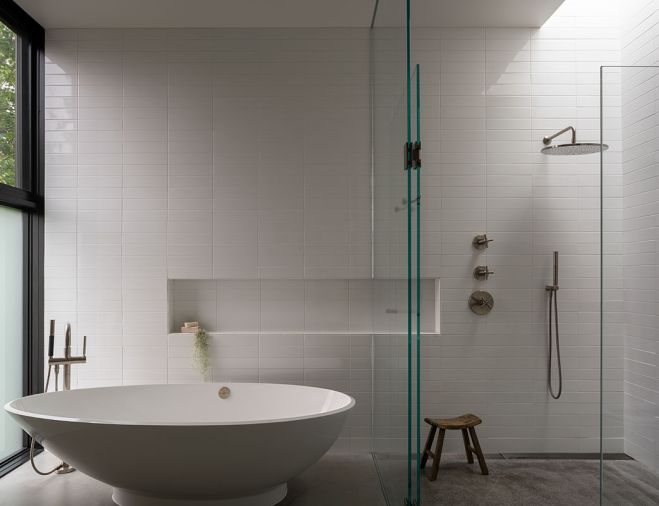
[[479, 451], [465, 438], [431, 436], [438, 454]]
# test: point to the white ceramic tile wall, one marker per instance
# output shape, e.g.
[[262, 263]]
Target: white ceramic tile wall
[[197, 154], [208, 154], [488, 98], [245, 154], [640, 211]]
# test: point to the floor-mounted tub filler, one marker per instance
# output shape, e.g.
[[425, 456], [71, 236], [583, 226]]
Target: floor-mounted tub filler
[[233, 444]]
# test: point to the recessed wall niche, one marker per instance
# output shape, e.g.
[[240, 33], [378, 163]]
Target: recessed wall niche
[[323, 306]]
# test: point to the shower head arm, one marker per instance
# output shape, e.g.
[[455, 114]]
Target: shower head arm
[[548, 139]]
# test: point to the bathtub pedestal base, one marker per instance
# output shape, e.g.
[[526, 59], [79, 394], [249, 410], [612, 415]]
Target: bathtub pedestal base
[[270, 497]]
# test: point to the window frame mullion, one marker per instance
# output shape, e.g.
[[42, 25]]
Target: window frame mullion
[[28, 197]]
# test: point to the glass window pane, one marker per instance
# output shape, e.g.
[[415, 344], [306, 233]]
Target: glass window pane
[[11, 325], [8, 106]]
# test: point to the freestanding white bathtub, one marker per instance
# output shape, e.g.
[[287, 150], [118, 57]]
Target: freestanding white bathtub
[[166, 445]]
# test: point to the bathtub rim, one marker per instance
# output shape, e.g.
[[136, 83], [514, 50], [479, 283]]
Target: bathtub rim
[[153, 423]]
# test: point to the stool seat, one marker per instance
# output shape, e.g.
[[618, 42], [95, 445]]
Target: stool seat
[[466, 424], [457, 423]]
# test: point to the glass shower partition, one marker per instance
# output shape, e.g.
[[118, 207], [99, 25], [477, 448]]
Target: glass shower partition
[[414, 288], [396, 206], [629, 175]]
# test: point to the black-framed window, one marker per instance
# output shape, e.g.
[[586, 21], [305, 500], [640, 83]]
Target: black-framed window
[[21, 219]]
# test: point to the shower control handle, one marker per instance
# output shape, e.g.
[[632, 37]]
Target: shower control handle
[[481, 241], [482, 272], [481, 302]]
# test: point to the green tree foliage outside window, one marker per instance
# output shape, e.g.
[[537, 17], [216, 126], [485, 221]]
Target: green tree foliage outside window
[[7, 106]]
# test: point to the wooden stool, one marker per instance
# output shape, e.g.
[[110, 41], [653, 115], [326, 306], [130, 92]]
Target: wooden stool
[[466, 424]]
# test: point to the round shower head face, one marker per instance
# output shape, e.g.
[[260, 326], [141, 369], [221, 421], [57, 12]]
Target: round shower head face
[[578, 148]]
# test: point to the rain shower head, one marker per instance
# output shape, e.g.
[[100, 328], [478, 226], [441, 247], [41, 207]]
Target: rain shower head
[[578, 148], [573, 148]]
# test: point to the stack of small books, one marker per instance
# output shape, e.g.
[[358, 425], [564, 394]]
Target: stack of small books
[[190, 327]]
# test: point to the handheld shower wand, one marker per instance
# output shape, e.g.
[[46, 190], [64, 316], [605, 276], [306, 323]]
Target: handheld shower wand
[[553, 298]]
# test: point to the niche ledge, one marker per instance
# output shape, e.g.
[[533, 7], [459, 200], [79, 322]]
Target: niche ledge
[[294, 306]]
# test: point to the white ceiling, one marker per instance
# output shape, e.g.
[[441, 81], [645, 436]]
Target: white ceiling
[[284, 13], [199, 13], [463, 13]]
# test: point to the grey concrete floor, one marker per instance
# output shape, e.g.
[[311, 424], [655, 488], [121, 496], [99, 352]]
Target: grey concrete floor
[[526, 482], [334, 480], [352, 480]]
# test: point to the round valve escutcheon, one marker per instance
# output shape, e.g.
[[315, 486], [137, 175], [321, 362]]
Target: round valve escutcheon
[[481, 302]]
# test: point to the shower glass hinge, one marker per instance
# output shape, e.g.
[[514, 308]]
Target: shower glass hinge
[[412, 155]]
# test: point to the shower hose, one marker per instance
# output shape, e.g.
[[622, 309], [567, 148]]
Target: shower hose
[[553, 297]]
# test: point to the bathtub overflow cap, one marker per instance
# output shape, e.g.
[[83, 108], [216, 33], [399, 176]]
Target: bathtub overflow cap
[[224, 392]]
